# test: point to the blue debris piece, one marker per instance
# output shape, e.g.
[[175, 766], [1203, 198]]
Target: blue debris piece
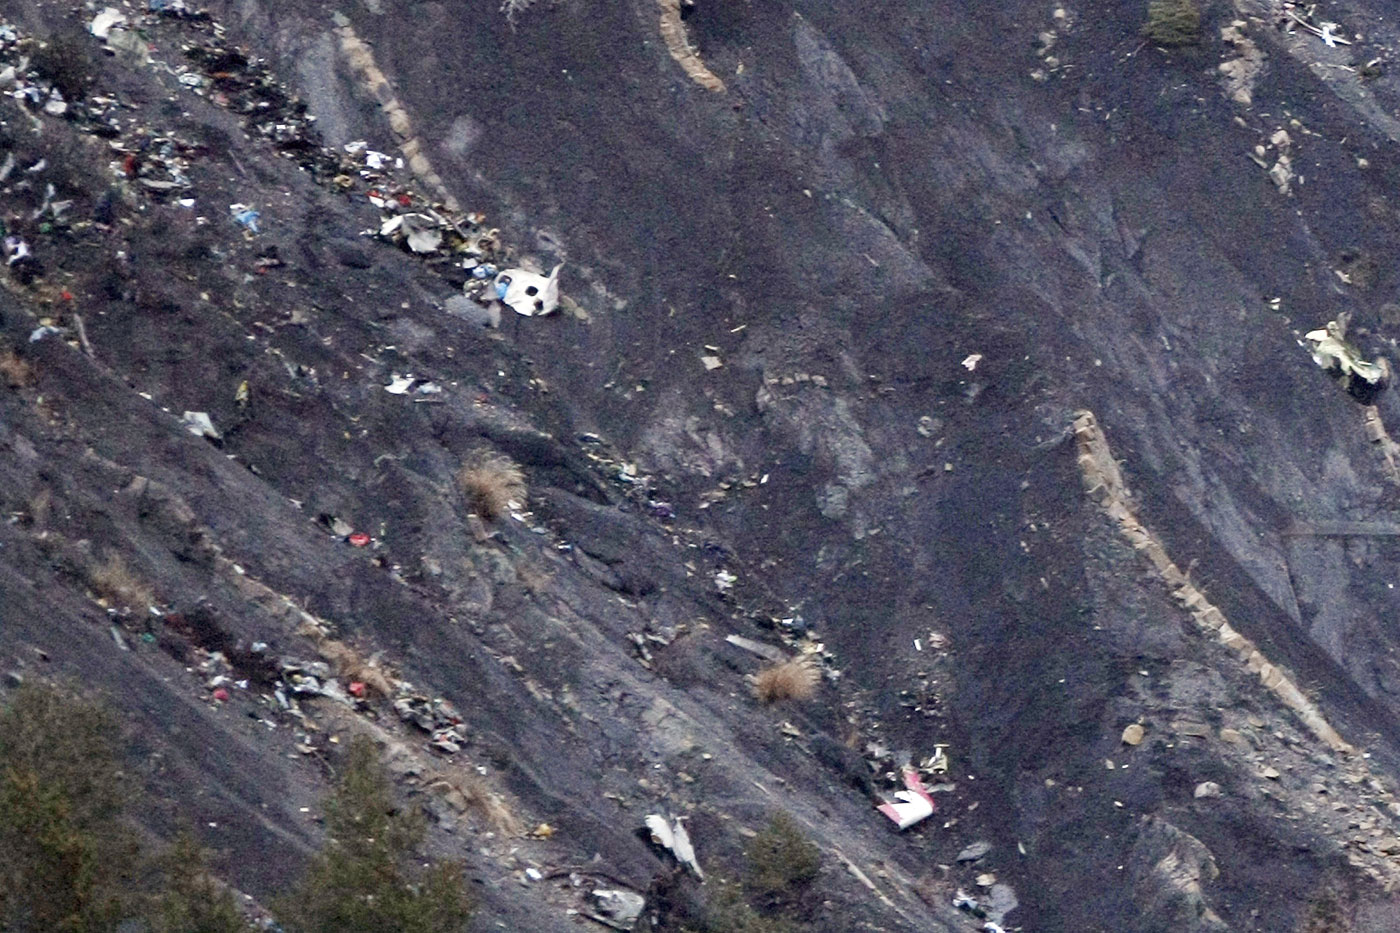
[[246, 216]]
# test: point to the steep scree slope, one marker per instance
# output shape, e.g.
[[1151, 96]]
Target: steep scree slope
[[920, 237]]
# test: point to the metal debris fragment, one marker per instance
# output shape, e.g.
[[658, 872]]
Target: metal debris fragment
[[246, 217], [409, 384], [616, 907], [529, 293], [675, 839], [16, 250], [1330, 350], [1327, 32], [769, 652], [198, 424], [419, 231], [103, 23], [438, 717], [915, 806]]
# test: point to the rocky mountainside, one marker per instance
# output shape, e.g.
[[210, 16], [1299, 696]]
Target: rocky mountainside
[[955, 348]]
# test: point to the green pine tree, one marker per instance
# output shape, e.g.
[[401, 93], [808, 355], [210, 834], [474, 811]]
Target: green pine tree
[[782, 862], [192, 901], [1173, 22], [358, 883], [68, 858]]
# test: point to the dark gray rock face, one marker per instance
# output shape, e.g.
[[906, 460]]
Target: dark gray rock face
[[918, 237]]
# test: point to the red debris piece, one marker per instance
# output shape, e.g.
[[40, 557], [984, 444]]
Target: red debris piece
[[357, 689], [359, 539], [66, 295], [221, 695]]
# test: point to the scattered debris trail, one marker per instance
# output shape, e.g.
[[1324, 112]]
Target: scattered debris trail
[[361, 59], [1103, 478]]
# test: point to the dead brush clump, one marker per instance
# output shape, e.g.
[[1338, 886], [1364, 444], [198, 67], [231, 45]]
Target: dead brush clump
[[118, 584], [349, 661], [490, 807], [470, 794], [36, 513], [490, 482], [351, 665], [794, 679], [15, 372]]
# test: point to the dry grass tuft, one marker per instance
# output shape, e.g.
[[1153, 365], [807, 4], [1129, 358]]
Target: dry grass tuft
[[490, 482], [491, 807], [117, 583], [472, 795], [40, 505], [795, 679], [14, 371], [349, 660]]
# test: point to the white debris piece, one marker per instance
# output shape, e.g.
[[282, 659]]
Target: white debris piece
[[971, 361], [16, 250], [409, 384], [619, 909], [401, 385], [198, 424], [129, 43], [915, 804], [103, 23], [724, 581], [419, 230], [1331, 351], [528, 293], [1327, 32], [770, 652], [676, 839]]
